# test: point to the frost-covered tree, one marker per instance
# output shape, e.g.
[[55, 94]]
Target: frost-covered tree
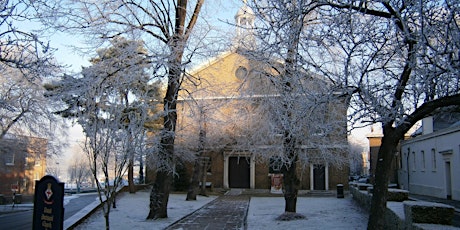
[[108, 161], [25, 110], [25, 61], [111, 100], [200, 117], [79, 170], [400, 62], [126, 62], [93, 100], [21, 48], [304, 115]]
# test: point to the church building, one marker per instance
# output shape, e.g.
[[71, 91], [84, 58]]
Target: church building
[[221, 120]]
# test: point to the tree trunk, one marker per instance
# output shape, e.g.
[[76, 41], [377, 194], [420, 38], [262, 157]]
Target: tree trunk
[[382, 175], [199, 171], [195, 181], [290, 189], [160, 193], [176, 43], [141, 170], [159, 196], [114, 203], [107, 221], [106, 209], [204, 174], [131, 186]]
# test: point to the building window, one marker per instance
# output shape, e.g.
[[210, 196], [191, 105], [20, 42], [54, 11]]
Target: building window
[[241, 73], [433, 159], [414, 162], [9, 158], [208, 165], [422, 153], [38, 159]]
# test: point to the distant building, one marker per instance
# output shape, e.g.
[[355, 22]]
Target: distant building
[[375, 140], [430, 159], [22, 161]]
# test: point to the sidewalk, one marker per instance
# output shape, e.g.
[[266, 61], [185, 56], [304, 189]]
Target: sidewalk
[[225, 212], [8, 208]]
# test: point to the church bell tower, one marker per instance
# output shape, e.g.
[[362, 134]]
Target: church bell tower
[[244, 21]]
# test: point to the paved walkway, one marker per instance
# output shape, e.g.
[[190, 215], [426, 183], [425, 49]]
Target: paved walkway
[[225, 212]]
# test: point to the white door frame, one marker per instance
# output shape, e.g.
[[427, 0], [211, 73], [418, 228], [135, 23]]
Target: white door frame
[[252, 168], [312, 176], [447, 157]]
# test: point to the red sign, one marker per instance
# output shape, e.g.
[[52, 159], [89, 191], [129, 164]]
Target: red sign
[[14, 187]]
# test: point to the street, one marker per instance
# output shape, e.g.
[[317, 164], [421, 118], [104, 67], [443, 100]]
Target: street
[[23, 219]]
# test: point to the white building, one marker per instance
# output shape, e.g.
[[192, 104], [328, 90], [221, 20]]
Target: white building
[[430, 162]]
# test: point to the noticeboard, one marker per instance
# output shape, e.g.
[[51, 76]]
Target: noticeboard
[[48, 204]]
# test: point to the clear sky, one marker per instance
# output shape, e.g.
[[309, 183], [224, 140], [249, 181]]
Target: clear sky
[[214, 11]]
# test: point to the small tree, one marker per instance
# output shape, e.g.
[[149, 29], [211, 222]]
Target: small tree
[[110, 101], [126, 62], [106, 157], [79, 170], [199, 114]]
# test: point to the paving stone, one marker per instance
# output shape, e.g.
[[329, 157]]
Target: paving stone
[[225, 212]]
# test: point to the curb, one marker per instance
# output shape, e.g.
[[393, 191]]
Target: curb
[[80, 216]]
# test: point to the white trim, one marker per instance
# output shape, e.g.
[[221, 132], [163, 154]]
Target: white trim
[[327, 176], [435, 134], [226, 186], [312, 177]]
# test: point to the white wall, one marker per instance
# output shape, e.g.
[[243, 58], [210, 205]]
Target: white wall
[[429, 175]]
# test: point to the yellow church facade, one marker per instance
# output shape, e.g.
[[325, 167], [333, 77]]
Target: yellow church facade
[[216, 114]]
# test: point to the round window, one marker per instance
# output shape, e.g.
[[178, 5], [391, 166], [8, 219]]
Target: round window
[[241, 72]]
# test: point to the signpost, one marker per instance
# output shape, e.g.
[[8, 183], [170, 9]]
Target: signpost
[[48, 204]]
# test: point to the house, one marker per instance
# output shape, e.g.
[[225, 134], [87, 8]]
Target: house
[[220, 117], [430, 159], [375, 140], [23, 161]]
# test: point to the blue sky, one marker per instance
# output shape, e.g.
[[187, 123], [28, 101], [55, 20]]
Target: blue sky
[[215, 11]]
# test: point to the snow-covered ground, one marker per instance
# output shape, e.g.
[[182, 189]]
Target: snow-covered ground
[[320, 212], [132, 209]]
